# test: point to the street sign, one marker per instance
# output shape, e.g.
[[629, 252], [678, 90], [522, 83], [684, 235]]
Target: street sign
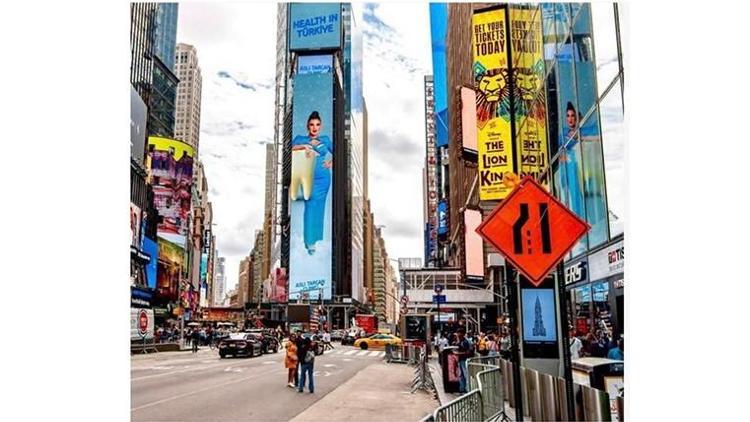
[[143, 323], [438, 298], [438, 288], [532, 229]]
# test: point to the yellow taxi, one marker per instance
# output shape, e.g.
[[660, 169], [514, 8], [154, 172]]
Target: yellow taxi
[[377, 340]]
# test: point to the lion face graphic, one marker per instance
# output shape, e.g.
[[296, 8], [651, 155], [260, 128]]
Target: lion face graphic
[[493, 95], [531, 100]]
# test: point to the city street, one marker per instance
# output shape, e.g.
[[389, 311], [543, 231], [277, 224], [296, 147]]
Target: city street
[[182, 386]]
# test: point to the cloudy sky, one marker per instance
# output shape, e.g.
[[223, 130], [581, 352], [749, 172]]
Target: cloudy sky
[[236, 45]]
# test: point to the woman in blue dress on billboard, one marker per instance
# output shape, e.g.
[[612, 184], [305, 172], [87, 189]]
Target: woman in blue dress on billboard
[[318, 152]]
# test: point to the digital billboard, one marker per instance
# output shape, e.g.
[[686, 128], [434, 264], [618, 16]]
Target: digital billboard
[[169, 268], [310, 190], [170, 165], [494, 137], [469, 120], [580, 175], [438, 32], [442, 217], [530, 100], [314, 26], [473, 245], [135, 226], [138, 113], [314, 64], [151, 249], [539, 322]]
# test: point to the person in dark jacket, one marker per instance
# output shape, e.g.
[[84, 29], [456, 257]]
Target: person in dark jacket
[[307, 366]]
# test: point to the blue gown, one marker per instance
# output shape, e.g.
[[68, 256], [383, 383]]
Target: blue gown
[[315, 207]]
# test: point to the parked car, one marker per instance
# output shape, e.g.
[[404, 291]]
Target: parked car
[[269, 343], [240, 344], [377, 340]]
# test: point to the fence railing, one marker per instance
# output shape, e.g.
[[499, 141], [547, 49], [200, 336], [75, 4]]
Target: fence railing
[[491, 385]]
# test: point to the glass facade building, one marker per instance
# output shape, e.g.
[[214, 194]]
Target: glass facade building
[[165, 33]]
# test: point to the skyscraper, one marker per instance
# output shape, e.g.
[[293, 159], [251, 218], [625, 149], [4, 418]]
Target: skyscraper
[[163, 82], [142, 24], [188, 114]]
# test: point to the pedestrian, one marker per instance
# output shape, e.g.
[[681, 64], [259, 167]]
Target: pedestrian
[[196, 337], [492, 348], [307, 366], [442, 343], [464, 352], [290, 361], [505, 345], [327, 340], [482, 345], [617, 353], [575, 345]]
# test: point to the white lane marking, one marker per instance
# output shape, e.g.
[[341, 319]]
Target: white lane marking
[[321, 374], [229, 369], [270, 362], [199, 368], [363, 353], [351, 352], [161, 367], [347, 360], [199, 391], [374, 353], [329, 365], [381, 353], [338, 352]]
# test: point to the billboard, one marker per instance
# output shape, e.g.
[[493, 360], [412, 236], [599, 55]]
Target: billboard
[[138, 113], [539, 322], [310, 190], [442, 217], [141, 324], [314, 26], [530, 100], [204, 268], [489, 46], [580, 174], [152, 250], [314, 64], [135, 225], [170, 165], [431, 182], [169, 268], [474, 247], [469, 120], [438, 31]]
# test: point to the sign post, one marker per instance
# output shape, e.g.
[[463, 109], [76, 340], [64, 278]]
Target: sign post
[[534, 231], [439, 289]]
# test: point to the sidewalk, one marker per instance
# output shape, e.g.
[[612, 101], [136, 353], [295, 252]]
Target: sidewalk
[[380, 392]]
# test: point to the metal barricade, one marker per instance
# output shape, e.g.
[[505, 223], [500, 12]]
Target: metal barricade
[[490, 383], [595, 405], [467, 408], [428, 418]]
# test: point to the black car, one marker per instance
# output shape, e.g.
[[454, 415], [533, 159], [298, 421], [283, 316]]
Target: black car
[[348, 339], [241, 344], [269, 343]]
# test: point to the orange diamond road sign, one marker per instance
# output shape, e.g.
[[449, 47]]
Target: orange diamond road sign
[[532, 229]]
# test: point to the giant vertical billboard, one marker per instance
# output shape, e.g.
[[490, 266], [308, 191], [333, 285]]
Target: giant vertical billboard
[[530, 100], [314, 26], [431, 182], [310, 190], [438, 32], [474, 248], [492, 84], [170, 165]]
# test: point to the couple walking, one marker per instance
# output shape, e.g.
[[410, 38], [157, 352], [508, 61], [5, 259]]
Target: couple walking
[[300, 362]]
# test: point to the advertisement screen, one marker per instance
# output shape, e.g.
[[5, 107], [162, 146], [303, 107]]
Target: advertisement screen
[[438, 32], [494, 137], [204, 267], [469, 120], [310, 190], [135, 226], [474, 246], [530, 112], [170, 165], [314, 64], [138, 113], [416, 327], [169, 268], [141, 324], [314, 26], [580, 175], [442, 217], [152, 250], [539, 322]]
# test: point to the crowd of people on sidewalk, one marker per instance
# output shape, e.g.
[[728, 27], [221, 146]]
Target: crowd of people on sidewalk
[[596, 344]]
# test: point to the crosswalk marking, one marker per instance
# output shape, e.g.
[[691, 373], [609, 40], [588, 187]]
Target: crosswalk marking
[[363, 353], [376, 353], [351, 352]]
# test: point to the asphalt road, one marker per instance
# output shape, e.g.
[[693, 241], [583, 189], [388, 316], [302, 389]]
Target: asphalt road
[[182, 386]]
